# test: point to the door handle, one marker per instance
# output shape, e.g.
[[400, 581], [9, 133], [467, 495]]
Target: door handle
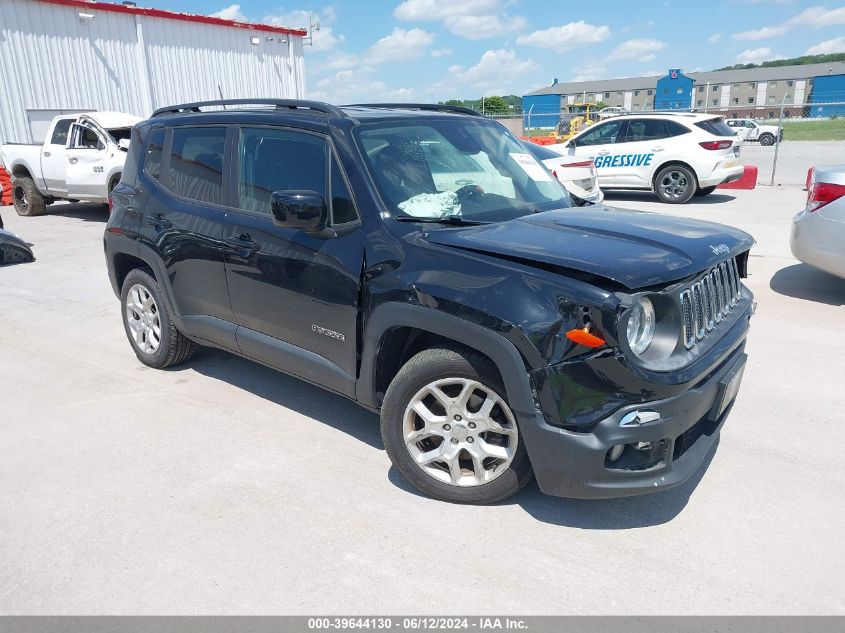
[[47, 154], [242, 242], [73, 161], [159, 220], [656, 149], [604, 152]]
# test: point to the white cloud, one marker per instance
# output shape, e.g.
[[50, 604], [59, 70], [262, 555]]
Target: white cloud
[[324, 40], [815, 17], [836, 45], [232, 12], [469, 19], [713, 39], [359, 84], [643, 50], [760, 34], [567, 36], [479, 27], [400, 45], [496, 67], [757, 55], [590, 73], [441, 52]]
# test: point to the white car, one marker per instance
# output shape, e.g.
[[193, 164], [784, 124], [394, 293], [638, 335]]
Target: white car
[[749, 130], [81, 159], [818, 232], [675, 155], [578, 176], [610, 111]]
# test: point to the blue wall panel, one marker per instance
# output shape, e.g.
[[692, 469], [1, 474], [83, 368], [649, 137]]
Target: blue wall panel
[[544, 109]]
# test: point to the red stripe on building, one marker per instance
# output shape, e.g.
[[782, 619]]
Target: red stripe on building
[[173, 15]]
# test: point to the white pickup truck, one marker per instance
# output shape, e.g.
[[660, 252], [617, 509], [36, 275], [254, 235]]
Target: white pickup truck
[[750, 130], [81, 159]]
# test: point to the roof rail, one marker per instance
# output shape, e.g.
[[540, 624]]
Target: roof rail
[[433, 107], [280, 104]]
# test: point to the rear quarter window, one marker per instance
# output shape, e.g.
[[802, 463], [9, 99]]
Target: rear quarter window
[[152, 157], [716, 127]]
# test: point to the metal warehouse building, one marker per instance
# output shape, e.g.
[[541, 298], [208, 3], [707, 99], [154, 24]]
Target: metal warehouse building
[[721, 90], [59, 56]]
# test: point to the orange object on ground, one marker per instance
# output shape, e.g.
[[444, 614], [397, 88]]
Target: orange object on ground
[[6, 184], [748, 180]]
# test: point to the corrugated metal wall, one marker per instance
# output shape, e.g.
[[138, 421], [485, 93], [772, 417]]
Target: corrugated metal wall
[[131, 63]]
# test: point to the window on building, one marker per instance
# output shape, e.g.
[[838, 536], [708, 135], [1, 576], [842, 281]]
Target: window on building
[[772, 99], [278, 160], [714, 102], [773, 84], [789, 84], [152, 160], [752, 84], [60, 132], [607, 95], [196, 163], [699, 103], [736, 100], [788, 99], [750, 99], [715, 88], [650, 92], [636, 93], [736, 86], [679, 91], [619, 94]]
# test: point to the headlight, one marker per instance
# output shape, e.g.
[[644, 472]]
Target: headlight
[[641, 325]]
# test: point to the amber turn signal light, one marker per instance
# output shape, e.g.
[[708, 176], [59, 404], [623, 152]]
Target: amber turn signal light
[[583, 337]]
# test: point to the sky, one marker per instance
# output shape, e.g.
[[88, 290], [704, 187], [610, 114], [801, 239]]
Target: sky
[[431, 50]]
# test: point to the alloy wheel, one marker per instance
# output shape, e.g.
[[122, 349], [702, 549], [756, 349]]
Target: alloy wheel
[[674, 184], [20, 198], [143, 320], [460, 432]]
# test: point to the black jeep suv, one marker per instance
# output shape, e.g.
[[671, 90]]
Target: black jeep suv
[[415, 259]]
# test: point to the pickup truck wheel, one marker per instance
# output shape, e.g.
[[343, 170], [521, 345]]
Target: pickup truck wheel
[[675, 184], [449, 431], [767, 139], [27, 199], [150, 330], [705, 191]]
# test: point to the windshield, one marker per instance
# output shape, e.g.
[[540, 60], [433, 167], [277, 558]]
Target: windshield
[[457, 168], [120, 133]]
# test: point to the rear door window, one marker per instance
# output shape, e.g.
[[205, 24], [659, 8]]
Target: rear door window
[[196, 163], [645, 130], [60, 132]]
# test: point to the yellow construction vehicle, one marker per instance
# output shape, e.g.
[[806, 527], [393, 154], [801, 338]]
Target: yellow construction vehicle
[[571, 127]]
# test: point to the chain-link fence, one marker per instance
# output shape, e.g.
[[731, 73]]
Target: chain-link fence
[[782, 141]]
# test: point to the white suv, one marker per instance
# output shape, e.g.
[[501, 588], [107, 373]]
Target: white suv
[[675, 155]]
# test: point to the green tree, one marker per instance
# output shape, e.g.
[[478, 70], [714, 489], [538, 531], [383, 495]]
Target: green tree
[[495, 105]]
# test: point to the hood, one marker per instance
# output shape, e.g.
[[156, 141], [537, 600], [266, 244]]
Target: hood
[[112, 120], [632, 248]]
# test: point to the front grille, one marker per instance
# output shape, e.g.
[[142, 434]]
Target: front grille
[[708, 300]]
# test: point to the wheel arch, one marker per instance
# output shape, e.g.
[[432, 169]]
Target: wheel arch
[[394, 332], [20, 169]]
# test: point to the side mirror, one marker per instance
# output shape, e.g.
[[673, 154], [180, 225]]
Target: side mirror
[[123, 144], [571, 143], [304, 210]]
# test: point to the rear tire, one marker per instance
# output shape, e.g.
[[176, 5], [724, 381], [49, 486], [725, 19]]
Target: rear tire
[[675, 184], [150, 330], [705, 191], [767, 139], [467, 448], [27, 199]]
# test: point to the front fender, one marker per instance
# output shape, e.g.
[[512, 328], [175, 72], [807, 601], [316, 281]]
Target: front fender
[[502, 352]]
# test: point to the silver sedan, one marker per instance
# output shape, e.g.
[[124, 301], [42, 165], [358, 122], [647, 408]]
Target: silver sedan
[[818, 232]]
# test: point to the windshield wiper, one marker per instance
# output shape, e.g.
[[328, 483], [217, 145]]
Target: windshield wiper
[[452, 220]]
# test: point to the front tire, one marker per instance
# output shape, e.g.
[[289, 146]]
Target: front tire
[[767, 139], [150, 330], [675, 184], [449, 430], [705, 191], [27, 199]]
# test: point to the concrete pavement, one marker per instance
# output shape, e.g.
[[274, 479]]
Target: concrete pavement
[[224, 487]]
